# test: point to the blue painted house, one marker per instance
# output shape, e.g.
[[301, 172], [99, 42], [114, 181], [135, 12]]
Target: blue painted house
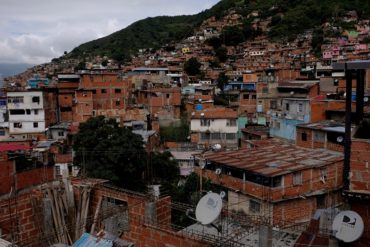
[[37, 82]]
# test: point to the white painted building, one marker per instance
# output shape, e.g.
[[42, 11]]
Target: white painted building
[[215, 126], [26, 112]]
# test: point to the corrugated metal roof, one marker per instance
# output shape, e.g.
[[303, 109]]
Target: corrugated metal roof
[[274, 160], [87, 240]]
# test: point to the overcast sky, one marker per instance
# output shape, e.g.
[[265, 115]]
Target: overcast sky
[[35, 31]]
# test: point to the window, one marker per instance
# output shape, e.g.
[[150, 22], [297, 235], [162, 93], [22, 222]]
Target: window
[[28, 111], [254, 96], [319, 136], [35, 124], [17, 112], [168, 96], [204, 136], [323, 174], [2, 132], [215, 136], [17, 125], [230, 136], [265, 90], [245, 96], [277, 181], [16, 99], [118, 103], [231, 122], [94, 91], [117, 90], [65, 109], [320, 201], [287, 106], [304, 136], [36, 112], [254, 206], [300, 107], [205, 122], [57, 171], [297, 178], [273, 104], [36, 99], [60, 133], [104, 91]]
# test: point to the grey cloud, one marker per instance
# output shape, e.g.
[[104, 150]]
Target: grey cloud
[[35, 31]]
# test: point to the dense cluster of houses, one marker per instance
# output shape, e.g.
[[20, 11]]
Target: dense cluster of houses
[[276, 146]]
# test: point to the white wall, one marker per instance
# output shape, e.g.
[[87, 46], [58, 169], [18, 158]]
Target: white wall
[[27, 120], [216, 125]]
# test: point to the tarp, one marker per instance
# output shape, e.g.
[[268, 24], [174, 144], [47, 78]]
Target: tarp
[[87, 240]]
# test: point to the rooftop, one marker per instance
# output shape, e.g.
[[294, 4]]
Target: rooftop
[[330, 126], [275, 160], [215, 113]]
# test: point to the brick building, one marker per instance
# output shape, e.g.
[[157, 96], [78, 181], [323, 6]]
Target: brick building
[[162, 102], [358, 194], [324, 134], [101, 93], [67, 85], [277, 180]]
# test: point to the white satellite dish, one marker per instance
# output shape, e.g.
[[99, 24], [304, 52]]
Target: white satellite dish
[[340, 139], [208, 208], [218, 171], [348, 226]]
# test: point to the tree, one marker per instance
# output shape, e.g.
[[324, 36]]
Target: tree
[[165, 170], [215, 42], [105, 150], [192, 66], [221, 53], [80, 66], [222, 80], [104, 63], [232, 35]]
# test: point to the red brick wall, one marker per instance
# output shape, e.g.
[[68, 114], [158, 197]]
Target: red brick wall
[[299, 142], [34, 177], [318, 109], [291, 211], [141, 234], [17, 218], [360, 168]]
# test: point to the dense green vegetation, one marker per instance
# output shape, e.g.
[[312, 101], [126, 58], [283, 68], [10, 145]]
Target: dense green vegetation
[[175, 133], [105, 150], [288, 19]]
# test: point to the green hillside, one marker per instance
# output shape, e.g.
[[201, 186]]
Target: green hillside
[[149, 33], [288, 18]]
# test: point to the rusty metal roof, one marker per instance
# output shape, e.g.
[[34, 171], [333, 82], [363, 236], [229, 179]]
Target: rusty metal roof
[[275, 159]]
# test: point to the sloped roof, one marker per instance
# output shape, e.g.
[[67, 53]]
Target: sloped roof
[[274, 160]]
